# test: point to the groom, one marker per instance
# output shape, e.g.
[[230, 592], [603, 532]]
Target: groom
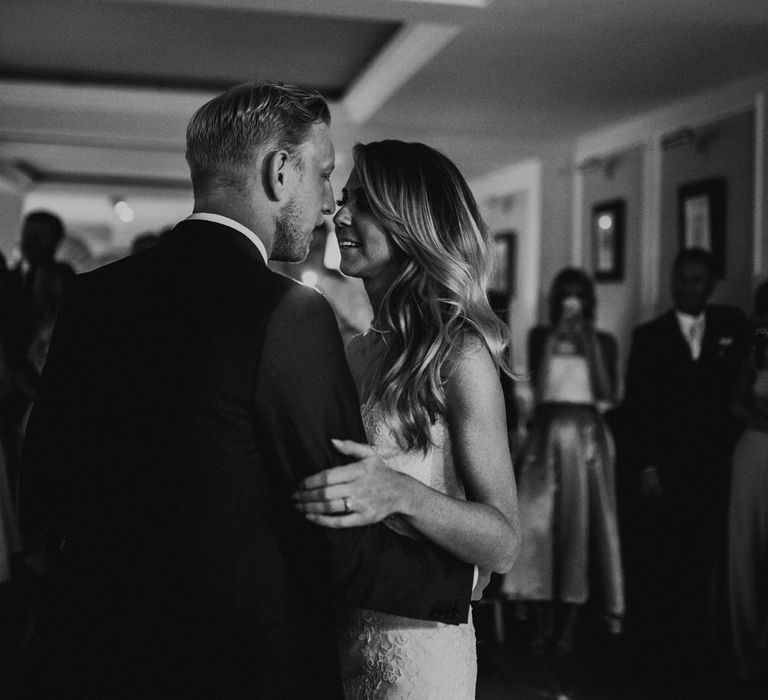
[[187, 390]]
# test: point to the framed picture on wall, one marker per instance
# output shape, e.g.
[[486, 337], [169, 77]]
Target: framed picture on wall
[[701, 218], [502, 283], [608, 220]]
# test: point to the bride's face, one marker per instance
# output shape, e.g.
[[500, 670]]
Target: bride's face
[[367, 250]]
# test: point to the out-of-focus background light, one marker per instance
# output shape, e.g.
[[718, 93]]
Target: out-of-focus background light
[[124, 211]]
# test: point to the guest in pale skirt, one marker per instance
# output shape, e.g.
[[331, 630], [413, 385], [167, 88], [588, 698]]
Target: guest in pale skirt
[[566, 490]]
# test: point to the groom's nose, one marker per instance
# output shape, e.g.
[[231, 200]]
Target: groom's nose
[[328, 200]]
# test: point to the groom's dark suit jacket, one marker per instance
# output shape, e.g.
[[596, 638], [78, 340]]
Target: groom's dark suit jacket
[[187, 390]]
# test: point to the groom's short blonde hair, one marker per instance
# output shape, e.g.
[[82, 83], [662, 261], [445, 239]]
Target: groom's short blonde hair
[[225, 134]]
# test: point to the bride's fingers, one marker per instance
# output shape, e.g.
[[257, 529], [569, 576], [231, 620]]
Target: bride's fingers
[[326, 493], [330, 477], [338, 521], [336, 505]]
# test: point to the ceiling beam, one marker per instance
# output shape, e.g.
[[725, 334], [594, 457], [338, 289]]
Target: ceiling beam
[[407, 52]]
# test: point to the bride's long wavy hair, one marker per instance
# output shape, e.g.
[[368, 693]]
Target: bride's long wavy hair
[[439, 300]]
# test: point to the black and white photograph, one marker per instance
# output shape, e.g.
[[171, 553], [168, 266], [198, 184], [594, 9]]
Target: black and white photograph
[[383, 349]]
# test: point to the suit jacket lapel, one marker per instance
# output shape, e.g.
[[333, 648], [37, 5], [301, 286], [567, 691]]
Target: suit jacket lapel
[[677, 344], [711, 342]]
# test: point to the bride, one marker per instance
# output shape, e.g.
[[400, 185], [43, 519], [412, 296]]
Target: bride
[[427, 372]]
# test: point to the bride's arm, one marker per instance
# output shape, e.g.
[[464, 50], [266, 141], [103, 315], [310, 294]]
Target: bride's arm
[[483, 530]]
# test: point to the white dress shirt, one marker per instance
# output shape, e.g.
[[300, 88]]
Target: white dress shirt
[[226, 221], [692, 328]]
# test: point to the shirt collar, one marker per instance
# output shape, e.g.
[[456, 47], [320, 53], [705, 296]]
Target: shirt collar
[[687, 320], [231, 223]]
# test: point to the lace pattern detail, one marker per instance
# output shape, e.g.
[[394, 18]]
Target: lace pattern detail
[[386, 657]]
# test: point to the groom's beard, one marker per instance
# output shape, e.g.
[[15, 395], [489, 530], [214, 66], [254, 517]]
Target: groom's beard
[[291, 243]]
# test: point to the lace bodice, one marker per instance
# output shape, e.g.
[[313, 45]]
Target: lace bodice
[[389, 657], [434, 469]]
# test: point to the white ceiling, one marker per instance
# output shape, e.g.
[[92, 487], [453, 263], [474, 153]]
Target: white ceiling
[[98, 92]]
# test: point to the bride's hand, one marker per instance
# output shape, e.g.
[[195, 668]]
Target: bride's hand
[[359, 493]]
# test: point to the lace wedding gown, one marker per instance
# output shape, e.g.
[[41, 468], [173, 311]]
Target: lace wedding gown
[[391, 657]]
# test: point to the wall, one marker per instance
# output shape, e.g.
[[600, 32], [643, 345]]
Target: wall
[[511, 199], [89, 215], [10, 217], [557, 228], [726, 150], [13, 185], [659, 174], [616, 176]]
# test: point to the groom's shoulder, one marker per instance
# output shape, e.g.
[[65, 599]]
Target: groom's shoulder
[[300, 303], [114, 278]]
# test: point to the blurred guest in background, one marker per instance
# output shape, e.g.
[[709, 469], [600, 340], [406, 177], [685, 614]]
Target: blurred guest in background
[[566, 470], [41, 235], [31, 296], [748, 518], [48, 291], [10, 542], [681, 370]]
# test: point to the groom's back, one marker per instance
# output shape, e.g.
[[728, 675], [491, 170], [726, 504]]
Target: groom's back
[[152, 470]]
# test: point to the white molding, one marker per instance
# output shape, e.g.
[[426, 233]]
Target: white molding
[[577, 212], [407, 52], [101, 98], [758, 252], [463, 3], [387, 10], [703, 108], [646, 131]]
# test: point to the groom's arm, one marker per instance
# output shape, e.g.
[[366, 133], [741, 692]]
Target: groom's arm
[[311, 399]]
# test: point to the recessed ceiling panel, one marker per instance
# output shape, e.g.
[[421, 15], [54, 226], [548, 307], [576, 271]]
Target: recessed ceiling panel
[[177, 46]]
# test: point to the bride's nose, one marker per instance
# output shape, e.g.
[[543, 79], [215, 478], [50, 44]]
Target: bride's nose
[[342, 216]]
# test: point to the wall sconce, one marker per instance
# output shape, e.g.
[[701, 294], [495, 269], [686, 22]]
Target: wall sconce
[[607, 164], [681, 137], [701, 139]]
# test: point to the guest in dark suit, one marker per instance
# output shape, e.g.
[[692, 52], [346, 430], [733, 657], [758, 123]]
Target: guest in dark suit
[[682, 367], [187, 390], [28, 310]]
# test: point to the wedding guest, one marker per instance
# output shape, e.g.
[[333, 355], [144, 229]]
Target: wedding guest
[[748, 514], [31, 291], [681, 370], [566, 471]]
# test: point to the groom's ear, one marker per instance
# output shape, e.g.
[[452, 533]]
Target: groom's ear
[[277, 173]]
